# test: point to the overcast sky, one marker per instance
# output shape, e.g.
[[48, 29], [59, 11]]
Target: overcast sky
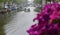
[[29, 0]]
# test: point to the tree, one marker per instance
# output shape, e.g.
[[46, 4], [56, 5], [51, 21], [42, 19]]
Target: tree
[[21, 1], [38, 1], [4, 2]]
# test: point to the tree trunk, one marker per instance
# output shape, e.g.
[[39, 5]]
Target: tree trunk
[[4, 4]]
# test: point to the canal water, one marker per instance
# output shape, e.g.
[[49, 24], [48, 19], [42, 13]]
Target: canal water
[[20, 23]]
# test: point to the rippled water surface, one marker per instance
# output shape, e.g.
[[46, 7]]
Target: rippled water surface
[[20, 23]]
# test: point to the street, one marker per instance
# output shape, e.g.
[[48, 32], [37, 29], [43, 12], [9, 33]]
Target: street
[[20, 23]]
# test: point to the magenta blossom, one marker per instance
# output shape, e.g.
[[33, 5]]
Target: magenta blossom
[[48, 21]]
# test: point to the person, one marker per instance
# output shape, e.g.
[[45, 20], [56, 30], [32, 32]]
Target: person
[[29, 9], [25, 9]]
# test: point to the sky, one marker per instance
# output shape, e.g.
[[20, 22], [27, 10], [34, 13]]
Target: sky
[[30, 0]]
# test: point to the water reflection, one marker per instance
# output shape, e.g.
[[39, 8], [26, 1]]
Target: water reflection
[[4, 18], [20, 23]]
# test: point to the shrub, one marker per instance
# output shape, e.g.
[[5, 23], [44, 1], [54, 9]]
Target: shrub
[[48, 21], [38, 9]]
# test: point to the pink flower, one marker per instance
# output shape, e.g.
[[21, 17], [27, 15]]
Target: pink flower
[[48, 21]]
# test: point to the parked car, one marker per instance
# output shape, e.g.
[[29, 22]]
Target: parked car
[[4, 10]]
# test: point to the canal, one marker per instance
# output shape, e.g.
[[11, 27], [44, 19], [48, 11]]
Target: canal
[[20, 22]]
